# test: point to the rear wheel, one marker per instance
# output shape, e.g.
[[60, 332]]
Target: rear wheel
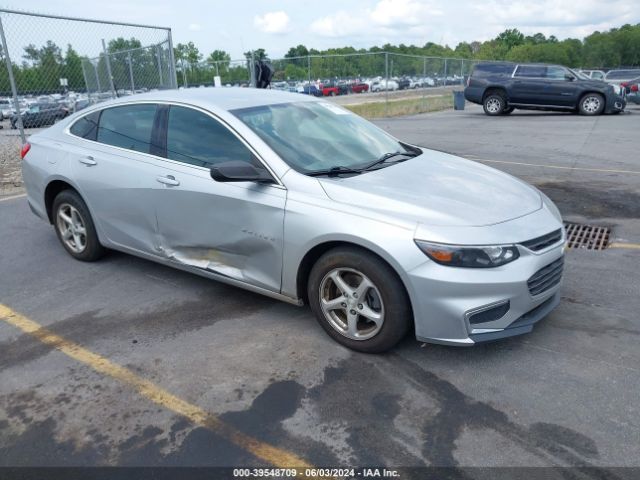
[[494, 104], [75, 228], [359, 300], [591, 104], [508, 110]]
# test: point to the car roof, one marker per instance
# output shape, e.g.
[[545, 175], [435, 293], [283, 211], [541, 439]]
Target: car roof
[[223, 98]]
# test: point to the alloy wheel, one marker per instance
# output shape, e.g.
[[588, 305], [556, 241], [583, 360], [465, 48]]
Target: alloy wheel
[[351, 303], [591, 104], [72, 228], [494, 105]]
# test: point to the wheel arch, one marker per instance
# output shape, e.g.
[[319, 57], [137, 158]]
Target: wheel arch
[[51, 191], [587, 92], [495, 89], [313, 255]]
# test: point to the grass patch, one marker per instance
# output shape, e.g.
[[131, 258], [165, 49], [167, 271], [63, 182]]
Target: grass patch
[[395, 108]]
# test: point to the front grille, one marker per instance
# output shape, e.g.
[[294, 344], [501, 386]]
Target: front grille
[[544, 241], [546, 278]]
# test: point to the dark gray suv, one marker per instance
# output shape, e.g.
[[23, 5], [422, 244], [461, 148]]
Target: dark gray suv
[[501, 87]]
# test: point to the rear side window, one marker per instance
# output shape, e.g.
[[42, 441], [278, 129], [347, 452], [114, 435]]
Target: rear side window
[[127, 127], [489, 69], [86, 127], [531, 71], [198, 139]]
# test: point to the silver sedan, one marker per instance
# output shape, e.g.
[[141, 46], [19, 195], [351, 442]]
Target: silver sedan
[[301, 200]]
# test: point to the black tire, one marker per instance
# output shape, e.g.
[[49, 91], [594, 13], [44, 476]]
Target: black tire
[[92, 250], [397, 309], [494, 104], [508, 110], [591, 104]]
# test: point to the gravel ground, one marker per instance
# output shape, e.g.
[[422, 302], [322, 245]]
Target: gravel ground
[[10, 174]]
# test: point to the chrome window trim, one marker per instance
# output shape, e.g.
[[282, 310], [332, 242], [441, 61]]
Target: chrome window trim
[[233, 131]]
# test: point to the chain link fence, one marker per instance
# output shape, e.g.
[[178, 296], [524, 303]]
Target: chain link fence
[[397, 80], [53, 66]]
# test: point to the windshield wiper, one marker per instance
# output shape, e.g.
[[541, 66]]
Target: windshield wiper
[[339, 169], [334, 171], [388, 156]]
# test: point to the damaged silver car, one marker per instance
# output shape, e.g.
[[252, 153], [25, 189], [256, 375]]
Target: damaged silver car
[[301, 200]]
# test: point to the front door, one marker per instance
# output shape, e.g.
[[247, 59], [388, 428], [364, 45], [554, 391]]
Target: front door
[[562, 91], [232, 229]]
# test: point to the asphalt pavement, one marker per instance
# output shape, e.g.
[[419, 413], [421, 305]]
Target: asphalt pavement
[[564, 395]]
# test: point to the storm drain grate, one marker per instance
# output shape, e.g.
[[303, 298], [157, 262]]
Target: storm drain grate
[[587, 237]]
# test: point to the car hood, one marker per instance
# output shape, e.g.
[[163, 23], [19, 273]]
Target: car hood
[[436, 188]]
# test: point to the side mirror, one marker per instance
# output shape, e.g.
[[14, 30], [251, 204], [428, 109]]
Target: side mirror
[[569, 78], [237, 171]]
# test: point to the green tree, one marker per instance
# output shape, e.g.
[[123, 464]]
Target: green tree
[[510, 38]]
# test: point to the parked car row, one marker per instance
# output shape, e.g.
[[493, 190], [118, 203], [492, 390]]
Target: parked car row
[[43, 110], [631, 89], [333, 87], [501, 87]]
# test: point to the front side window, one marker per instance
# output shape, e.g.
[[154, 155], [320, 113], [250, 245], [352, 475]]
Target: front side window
[[557, 73], [531, 71], [197, 139], [127, 127], [312, 136]]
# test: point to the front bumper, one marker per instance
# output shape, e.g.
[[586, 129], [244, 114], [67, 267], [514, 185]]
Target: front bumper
[[447, 299], [616, 103]]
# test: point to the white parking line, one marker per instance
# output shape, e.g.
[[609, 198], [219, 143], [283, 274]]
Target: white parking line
[[601, 170], [13, 197]]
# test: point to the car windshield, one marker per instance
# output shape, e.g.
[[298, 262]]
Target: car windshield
[[317, 136], [580, 75]]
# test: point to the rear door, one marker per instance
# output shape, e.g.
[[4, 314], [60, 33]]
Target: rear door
[[116, 171], [232, 229], [529, 85]]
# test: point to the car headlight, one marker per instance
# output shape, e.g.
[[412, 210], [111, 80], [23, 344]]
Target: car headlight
[[469, 256]]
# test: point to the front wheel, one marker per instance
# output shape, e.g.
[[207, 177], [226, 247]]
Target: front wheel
[[74, 227], [591, 104], [494, 104], [359, 300]]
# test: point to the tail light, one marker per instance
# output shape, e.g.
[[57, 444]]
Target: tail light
[[25, 149], [634, 88]]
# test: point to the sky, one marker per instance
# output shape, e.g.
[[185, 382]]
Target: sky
[[239, 25]]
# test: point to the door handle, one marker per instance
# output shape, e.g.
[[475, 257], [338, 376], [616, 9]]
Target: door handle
[[168, 180], [88, 161]]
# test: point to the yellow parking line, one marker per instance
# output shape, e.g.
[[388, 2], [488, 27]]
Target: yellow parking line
[[634, 246], [273, 455], [602, 170]]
